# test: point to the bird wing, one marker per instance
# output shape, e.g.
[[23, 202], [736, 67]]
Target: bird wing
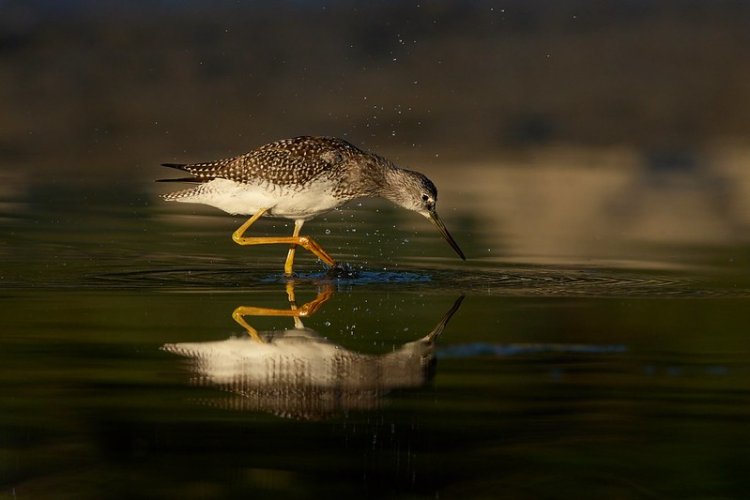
[[288, 161]]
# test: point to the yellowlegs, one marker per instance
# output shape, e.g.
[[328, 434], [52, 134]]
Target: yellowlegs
[[299, 179]]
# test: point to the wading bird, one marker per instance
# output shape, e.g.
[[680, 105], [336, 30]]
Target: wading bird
[[299, 179]]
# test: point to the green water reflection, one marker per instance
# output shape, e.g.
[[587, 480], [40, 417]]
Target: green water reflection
[[531, 396], [606, 355]]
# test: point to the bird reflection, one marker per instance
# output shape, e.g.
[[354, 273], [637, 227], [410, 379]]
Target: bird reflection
[[296, 373]]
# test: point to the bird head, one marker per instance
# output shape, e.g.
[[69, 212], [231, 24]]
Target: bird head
[[414, 191]]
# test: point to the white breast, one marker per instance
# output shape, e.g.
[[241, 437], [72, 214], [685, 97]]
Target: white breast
[[280, 201]]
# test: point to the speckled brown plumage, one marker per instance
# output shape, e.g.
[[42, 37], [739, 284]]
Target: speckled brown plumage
[[294, 162]]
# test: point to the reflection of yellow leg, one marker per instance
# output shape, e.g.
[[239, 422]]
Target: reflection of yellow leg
[[294, 240], [290, 294], [295, 312], [237, 316]]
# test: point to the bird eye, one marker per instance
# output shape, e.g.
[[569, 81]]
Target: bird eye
[[425, 197]]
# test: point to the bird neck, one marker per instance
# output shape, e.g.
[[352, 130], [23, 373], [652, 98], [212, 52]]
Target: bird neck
[[373, 175], [392, 184]]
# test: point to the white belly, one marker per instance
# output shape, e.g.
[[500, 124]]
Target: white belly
[[279, 201]]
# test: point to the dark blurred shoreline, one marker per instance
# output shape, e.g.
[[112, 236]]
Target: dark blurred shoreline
[[92, 88]]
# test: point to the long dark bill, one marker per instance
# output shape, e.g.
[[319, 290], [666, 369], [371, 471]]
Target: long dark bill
[[441, 227]]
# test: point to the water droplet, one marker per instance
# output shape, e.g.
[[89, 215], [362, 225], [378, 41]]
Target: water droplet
[[327, 323], [328, 231]]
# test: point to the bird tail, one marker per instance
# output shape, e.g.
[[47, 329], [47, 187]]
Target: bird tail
[[178, 166], [185, 195]]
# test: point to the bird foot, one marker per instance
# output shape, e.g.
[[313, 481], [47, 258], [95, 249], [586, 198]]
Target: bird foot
[[343, 271]]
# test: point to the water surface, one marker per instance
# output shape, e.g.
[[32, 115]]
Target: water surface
[[602, 358]]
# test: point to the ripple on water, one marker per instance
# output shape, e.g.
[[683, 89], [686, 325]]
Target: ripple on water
[[518, 282], [232, 278]]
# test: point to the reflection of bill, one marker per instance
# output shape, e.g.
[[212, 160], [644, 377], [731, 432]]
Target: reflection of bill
[[296, 373]]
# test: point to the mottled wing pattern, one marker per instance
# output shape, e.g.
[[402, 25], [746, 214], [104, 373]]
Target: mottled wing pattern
[[284, 162]]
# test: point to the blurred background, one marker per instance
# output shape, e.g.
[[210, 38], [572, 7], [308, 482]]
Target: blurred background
[[593, 162], [574, 125]]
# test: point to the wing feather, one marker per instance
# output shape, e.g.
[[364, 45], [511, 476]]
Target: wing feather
[[288, 161]]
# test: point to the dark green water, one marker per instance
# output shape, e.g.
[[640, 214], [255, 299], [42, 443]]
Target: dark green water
[[600, 374]]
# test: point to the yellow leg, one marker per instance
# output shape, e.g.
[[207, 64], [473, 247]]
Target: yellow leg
[[307, 243], [295, 312], [289, 264]]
